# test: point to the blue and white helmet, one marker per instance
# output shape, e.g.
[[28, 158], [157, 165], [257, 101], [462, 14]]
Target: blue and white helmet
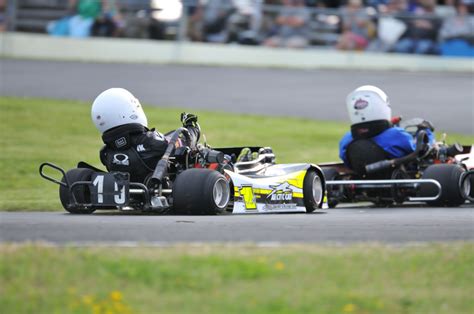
[[368, 103], [115, 107]]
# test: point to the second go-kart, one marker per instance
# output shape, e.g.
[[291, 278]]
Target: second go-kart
[[435, 174]]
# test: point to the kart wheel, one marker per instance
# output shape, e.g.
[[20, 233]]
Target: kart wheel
[[448, 176], [331, 174], [472, 188], [81, 193], [200, 192], [313, 190]]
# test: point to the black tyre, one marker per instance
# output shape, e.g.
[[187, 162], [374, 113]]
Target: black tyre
[[448, 177], [200, 192], [313, 190], [468, 185], [81, 193], [331, 174], [471, 194]]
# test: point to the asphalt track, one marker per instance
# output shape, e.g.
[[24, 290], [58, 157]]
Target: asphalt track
[[336, 226], [446, 99]]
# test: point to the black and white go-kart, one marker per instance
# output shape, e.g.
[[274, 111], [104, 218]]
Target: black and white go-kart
[[438, 175], [197, 180]]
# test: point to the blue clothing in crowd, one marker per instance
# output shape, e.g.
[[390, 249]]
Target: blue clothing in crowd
[[395, 141]]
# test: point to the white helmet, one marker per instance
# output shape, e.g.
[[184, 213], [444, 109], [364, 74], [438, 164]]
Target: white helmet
[[368, 103], [115, 107]]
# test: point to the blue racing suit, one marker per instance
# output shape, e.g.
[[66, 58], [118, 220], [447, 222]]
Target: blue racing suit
[[395, 141]]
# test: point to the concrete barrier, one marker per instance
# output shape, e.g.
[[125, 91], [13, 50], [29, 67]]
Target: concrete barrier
[[34, 46]]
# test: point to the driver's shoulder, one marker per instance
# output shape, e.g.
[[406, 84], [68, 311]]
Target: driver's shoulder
[[395, 133]]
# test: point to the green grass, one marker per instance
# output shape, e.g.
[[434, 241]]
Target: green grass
[[38, 130], [436, 278]]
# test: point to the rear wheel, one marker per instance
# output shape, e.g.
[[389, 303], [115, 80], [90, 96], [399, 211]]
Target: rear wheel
[[81, 193], [449, 177], [313, 190], [200, 192]]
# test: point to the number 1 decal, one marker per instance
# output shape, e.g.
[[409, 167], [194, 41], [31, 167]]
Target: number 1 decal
[[99, 182], [249, 197]]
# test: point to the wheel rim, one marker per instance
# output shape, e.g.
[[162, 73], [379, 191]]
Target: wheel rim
[[221, 193], [317, 190], [465, 186]]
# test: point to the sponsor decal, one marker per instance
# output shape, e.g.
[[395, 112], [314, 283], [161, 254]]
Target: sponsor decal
[[360, 104], [283, 196], [282, 193], [121, 142], [121, 159], [279, 206], [140, 148]]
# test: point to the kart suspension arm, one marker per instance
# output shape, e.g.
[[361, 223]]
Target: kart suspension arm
[[367, 184]]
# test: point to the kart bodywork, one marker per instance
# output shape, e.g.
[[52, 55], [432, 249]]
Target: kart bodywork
[[261, 186], [196, 180]]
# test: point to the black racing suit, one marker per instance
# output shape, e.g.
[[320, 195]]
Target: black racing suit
[[135, 149]]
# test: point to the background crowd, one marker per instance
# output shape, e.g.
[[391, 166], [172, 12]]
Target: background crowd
[[405, 26]]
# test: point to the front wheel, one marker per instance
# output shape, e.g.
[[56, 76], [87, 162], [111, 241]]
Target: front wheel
[[200, 192], [313, 190]]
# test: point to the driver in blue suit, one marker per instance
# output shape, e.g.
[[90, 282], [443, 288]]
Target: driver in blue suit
[[370, 114]]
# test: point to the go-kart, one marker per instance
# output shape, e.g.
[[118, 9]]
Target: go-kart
[[435, 174], [196, 180]]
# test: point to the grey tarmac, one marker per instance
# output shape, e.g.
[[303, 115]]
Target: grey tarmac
[[333, 226], [446, 99]]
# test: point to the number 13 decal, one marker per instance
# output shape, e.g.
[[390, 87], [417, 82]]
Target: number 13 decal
[[99, 183]]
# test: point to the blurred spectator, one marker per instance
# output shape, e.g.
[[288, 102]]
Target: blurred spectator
[[135, 17], [389, 26], [209, 22], [80, 20], [357, 27], [3, 15], [216, 15], [110, 22], [80, 25], [457, 32], [246, 22], [422, 31], [195, 24], [291, 26], [379, 5]]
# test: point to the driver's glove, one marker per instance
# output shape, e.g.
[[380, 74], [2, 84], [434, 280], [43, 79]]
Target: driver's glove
[[247, 155], [188, 119]]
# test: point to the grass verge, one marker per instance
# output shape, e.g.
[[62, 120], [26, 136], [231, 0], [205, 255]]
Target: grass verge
[[38, 130], [435, 278]]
